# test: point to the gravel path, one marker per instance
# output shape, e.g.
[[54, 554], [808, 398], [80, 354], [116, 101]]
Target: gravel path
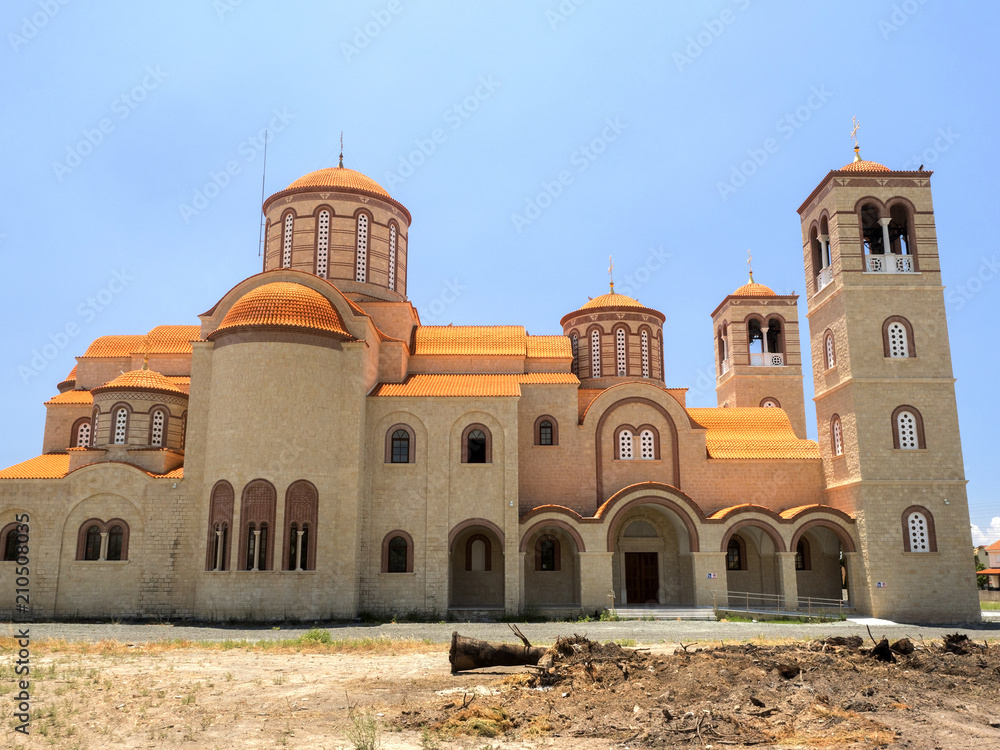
[[641, 631]]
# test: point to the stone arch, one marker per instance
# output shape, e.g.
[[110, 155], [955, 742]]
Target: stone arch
[[775, 536]]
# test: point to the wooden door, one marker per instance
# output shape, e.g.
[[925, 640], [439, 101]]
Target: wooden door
[[642, 577]]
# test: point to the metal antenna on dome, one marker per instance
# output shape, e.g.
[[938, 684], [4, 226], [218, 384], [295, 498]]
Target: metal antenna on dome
[[263, 179]]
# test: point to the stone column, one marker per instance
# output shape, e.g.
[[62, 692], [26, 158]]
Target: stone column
[[596, 581], [885, 234], [709, 572], [824, 251], [104, 545], [298, 548], [256, 549], [788, 583]]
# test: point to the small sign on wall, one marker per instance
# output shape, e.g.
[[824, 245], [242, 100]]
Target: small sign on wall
[[712, 576], [881, 585]]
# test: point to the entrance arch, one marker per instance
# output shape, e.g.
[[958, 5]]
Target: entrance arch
[[820, 569], [476, 567], [551, 557], [752, 564], [652, 556]]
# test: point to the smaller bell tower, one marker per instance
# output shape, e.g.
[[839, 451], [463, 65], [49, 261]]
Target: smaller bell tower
[[758, 359]]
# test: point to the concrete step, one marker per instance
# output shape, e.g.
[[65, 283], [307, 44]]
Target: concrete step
[[654, 612]]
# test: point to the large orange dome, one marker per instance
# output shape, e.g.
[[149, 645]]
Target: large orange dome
[[612, 300], [339, 177], [865, 166], [284, 304], [753, 289]]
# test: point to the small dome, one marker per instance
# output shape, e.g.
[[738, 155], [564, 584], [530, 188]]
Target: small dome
[[339, 177], [612, 300], [286, 304], [140, 380], [864, 166], [754, 289]]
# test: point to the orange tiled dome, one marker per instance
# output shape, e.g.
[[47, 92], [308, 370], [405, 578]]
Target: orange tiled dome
[[140, 380], [754, 289], [864, 166], [612, 300], [283, 303], [339, 177]]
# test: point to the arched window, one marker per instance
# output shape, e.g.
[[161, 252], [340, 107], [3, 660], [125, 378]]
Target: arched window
[[322, 243], [735, 556], [899, 235], [918, 530], [802, 561], [184, 429], [286, 243], [477, 445], [622, 352], [897, 338], [595, 353], [400, 447], [157, 428], [663, 356], [116, 542], [836, 436], [625, 445], [770, 403], [10, 539], [92, 548], [478, 553], [546, 431], [574, 342], [908, 429], [94, 425], [647, 445], [830, 351], [301, 513], [257, 511], [361, 258], [81, 433], [644, 339], [121, 425], [547, 554], [220, 521], [397, 552], [392, 257], [871, 231]]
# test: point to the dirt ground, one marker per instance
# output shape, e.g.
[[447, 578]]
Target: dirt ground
[[796, 695]]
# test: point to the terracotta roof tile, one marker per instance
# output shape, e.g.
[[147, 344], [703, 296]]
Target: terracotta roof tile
[[140, 380], [752, 433], [549, 346], [115, 346], [72, 397], [612, 300], [471, 340], [723, 512], [161, 340], [989, 572], [864, 166], [754, 290], [286, 304], [472, 386], [177, 473], [994, 547], [46, 466], [72, 373], [339, 177], [792, 512]]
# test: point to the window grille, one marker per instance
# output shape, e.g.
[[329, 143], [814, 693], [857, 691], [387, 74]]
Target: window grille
[[645, 354], [392, 257], [158, 421], [83, 435], [361, 262], [838, 439], [622, 360], [121, 421], [286, 252], [906, 424], [919, 540], [625, 445], [898, 345], [323, 244], [595, 354], [647, 446]]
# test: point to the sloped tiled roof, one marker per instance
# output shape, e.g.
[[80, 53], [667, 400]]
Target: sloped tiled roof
[[471, 340], [46, 466], [160, 340], [472, 386], [339, 177], [177, 473], [285, 304], [995, 547], [72, 373], [115, 346], [72, 397], [751, 433], [549, 346], [140, 380]]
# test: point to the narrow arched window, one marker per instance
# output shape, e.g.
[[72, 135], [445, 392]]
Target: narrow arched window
[[361, 259], [95, 420], [323, 243], [92, 550], [301, 513], [10, 544], [595, 354], [622, 353], [400, 447], [898, 345], [220, 520], [625, 445], [547, 554], [476, 445], [644, 337], [919, 533], [82, 438], [286, 243], [157, 428], [392, 257], [397, 555], [545, 433], [121, 423], [116, 536], [906, 428], [184, 429], [831, 353], [802, 561], [734, 555], [257, 517], [647, 445], [574, 342], [837, 437], [478, 553]]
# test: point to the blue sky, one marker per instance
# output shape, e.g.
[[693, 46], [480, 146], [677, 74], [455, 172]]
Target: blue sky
[[132, 152]]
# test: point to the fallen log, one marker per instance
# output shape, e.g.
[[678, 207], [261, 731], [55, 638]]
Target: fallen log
[[470, 653]]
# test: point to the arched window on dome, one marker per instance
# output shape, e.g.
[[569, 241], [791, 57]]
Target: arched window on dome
[[323, 243], [286, 241], [94, 424], [361, 257], [644, 339], [574, 342], [121, 425], [663, 356], [81, 433], [392, 257], [158, 427], [595, 353], [621, 351], [625, 452]]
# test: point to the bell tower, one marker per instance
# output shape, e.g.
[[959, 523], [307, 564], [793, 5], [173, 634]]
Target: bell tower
[[758, 357], [885, 399]]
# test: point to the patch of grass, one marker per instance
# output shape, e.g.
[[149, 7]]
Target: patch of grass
[[609, 615], [365, 732], [727, 616], [989, 605], [316, 635], [626, 642]]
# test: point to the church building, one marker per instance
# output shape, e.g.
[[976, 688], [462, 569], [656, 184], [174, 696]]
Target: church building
[[308, 449]]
